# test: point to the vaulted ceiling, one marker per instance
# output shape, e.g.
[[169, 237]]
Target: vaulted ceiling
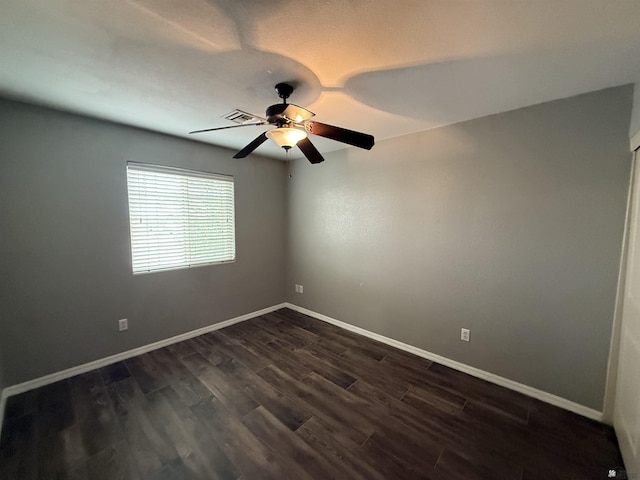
[[387, 68]]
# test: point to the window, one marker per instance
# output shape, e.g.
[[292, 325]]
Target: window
[[179, 218]]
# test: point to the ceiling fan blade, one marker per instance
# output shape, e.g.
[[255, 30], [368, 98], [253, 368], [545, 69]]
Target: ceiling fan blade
[[259, 140], [357, 139], [230, 126], [311, 152]]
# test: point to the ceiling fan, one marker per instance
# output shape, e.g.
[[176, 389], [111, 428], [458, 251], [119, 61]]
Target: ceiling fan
[[292, 125]]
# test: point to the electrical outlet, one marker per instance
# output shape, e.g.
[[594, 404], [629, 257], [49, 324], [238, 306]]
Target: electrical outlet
[[299, 288], [464, 334], [123, 324]]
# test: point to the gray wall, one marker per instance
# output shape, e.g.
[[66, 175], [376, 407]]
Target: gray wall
[[510, 225], [65, 254], [2, 385]]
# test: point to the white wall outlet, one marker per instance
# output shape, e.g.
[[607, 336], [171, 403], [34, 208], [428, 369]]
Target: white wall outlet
[[299, 289], [123, 324], [464, 334]]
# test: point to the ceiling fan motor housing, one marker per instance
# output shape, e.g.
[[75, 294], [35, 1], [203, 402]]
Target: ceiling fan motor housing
[[284, 90]]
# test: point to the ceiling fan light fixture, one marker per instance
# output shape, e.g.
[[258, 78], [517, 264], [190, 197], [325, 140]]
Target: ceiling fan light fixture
[[286, 137]]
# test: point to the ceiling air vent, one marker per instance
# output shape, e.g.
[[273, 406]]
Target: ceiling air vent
[[238, 116]]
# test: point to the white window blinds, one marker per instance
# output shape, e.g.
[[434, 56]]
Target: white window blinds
[[179, 218]]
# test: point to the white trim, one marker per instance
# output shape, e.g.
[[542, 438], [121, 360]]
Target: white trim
[[634, 142], [102, 362], [3, 400], [476, 372], [614, 344]]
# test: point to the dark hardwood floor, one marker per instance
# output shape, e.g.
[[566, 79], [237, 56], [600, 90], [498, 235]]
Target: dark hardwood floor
[[285, 396]]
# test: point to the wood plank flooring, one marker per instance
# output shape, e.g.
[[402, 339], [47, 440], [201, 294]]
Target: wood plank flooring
[[285, 396]]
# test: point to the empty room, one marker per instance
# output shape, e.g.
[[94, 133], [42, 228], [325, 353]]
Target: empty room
[[340, 239]]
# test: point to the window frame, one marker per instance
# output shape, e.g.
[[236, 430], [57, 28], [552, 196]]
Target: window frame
[[187, 173]]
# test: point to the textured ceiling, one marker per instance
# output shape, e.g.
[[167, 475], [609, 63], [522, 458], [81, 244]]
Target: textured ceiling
[[383, 67]]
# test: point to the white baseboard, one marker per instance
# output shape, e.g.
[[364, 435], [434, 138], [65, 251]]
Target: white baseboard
[[476, 372], [102, 362]]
